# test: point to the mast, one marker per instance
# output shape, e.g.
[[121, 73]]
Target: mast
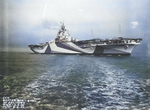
[[91, 33], [119, 30]]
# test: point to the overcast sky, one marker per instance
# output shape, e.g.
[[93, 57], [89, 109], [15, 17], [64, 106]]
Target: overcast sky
[[26, 22]]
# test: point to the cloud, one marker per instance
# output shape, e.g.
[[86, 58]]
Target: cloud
[[81, 10], [38, 20], [46, 24], [134, 24]]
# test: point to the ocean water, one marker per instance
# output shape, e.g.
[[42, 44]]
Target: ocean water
[[83, 82]]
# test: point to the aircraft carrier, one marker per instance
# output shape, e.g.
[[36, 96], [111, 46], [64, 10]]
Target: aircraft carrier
[[65, 44]]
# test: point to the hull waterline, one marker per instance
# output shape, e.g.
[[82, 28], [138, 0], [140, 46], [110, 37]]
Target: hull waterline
[[65, 44]]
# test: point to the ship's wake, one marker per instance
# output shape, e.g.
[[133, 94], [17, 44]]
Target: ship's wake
[[96, 85]]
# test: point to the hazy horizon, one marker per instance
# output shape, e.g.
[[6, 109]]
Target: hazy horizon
[[31, 22]]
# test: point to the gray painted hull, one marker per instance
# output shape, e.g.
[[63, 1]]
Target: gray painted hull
[[79, 48]]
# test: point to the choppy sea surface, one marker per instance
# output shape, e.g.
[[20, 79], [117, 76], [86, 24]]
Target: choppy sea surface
[[87, 82]]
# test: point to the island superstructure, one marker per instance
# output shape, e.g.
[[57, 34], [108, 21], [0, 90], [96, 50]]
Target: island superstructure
[[65, 44]]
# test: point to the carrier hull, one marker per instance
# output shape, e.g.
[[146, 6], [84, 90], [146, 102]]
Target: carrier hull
[[65, 44], [78, 48]]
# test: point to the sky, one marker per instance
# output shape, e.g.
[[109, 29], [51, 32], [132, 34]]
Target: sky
[[25, 22]]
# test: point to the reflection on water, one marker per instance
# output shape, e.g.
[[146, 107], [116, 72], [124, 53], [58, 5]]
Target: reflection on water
[[90, 82]]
